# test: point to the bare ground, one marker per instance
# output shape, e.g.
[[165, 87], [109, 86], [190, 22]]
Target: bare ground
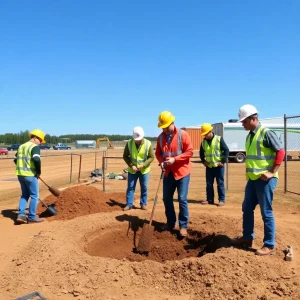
[[88, 251]]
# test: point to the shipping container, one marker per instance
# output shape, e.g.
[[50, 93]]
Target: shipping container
[[195, 134]]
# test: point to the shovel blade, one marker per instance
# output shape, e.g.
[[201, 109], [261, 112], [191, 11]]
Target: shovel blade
[[51, 210], [145, 239]]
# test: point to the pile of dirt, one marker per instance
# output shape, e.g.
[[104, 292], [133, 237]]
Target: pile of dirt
[[80, 201]]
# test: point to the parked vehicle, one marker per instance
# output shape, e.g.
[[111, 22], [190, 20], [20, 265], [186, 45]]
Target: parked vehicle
[[45, 146], [61, 146], [3, 151], [13, 147]]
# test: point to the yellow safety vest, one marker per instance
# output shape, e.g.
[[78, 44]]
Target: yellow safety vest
[[213, 153], [25, 165], [259, 159], [139, 157]]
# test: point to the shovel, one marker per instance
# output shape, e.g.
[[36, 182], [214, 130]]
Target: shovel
[[53, 190], [49, 208], [147, 231]]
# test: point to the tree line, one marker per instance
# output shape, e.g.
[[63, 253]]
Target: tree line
[[22, 137]]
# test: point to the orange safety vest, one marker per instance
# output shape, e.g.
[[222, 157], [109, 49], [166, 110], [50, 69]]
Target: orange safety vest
[[180, 168]]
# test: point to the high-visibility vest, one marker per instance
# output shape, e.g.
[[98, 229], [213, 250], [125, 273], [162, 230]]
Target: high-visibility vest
[[179, 146], [25, 165], [213, 153], [259, 159], [139, 157]]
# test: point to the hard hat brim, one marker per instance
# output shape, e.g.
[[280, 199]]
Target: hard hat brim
[[162, 126], [207, 131], [242, 119], [43, 141], [138, 138]]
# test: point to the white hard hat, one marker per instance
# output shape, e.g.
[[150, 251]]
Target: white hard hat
[[138, 133], [246, 111]]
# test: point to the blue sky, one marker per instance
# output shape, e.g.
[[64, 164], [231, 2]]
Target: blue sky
[[69, 66]]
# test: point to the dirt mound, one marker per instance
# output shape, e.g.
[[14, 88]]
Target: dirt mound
[[96, 260], [80, 201]]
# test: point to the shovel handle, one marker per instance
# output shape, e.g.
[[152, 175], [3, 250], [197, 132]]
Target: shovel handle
[[43, 203], [44, 182], [156, 196]]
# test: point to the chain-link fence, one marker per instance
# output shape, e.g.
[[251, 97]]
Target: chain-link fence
[[292, 150]]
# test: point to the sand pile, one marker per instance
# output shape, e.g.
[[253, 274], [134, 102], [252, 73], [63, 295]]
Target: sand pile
[[80, 201]]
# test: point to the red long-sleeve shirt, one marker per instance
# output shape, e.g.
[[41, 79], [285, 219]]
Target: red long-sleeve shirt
[[182, 165]]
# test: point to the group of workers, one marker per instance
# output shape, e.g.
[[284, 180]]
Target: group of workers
[[264, 154]]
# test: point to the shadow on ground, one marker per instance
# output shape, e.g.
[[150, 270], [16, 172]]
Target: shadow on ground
[[11, 214], [191, 201], [113, 202]]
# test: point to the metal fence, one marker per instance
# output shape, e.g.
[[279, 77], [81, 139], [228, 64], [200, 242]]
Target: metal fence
[[292, 150], [62, 170], [59, 170]]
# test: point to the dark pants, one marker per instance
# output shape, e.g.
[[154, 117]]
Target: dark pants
[[211, 174]]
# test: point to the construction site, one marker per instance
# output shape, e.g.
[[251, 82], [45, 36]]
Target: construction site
[[149, 150], [88, 249]]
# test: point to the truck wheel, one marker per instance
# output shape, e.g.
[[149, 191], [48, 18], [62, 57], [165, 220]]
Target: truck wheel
[[240, 157]]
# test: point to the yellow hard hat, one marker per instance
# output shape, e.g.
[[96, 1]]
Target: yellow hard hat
[[165, 119], [39, 133], [206, 128]]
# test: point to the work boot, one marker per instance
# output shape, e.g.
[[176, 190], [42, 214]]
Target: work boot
[[143, 207], [36, 220], [265, 251], [207, 202], [167, 227], [241, 242], [221, 204], [183, 232], [127, 208], [21, 220]]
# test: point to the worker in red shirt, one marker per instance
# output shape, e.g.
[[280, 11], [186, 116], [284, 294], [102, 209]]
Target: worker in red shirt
[[173, 152]]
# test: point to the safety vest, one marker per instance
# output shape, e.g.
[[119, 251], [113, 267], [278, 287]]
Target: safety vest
[[259, 159], [25, 165], [179, 147], [213, 153], [139, 157]]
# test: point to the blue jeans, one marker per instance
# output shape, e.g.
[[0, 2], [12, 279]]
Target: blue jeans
[[259, 192], [131, 184], [169, 186], [211, 174], [29, 188]]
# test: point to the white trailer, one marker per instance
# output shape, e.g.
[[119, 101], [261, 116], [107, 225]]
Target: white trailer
[[235, 135], [85, 144]]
